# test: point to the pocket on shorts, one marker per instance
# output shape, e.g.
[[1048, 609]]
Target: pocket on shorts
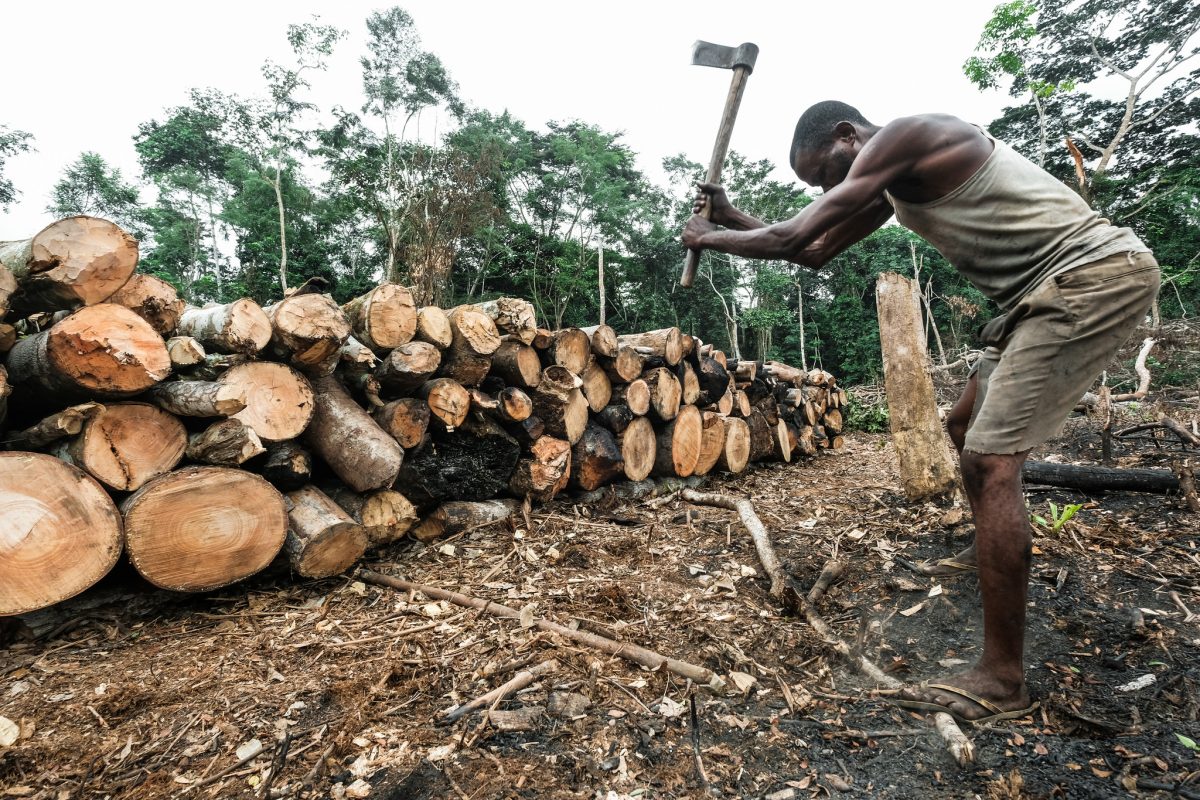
[[1127, 274]]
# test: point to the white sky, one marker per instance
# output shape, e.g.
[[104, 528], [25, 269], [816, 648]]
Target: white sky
[[81, 76]]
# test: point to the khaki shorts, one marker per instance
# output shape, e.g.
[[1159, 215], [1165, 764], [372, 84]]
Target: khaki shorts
[[1048, 349]]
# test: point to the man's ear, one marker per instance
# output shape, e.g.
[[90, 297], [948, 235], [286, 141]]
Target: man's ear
[[845, 131]]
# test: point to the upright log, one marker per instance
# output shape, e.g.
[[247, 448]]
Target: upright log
[[665, 393], [666, 343], [308, 330], [322, 539], [679, 441], [735, 455], [596, 458], [596, 388], [127, 444], [433, 326], [383, 318], [77, 261], [458, 516], [59, 532], [288, 466], [407, 366], [560, 404], [198, 398], [358, 451], [570, 348], [513, 317], [448, 402], [238, 327], [152, 299], [225, 443], [279, 401], [201, 528], [604, 341], [545, 472], [405, 419], [517, 365], [712, 442]]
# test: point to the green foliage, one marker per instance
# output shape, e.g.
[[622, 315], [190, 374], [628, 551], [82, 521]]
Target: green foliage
[[1190, 744], [12, 142], [91, 186], [1058, 517], [868, 417]]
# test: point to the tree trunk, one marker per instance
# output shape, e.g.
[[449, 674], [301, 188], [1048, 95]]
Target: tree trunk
[[198, 398], [665, 393], [473, 463], [358, 451], [458, 516], [308, 330], [596, 458], [570, 348], [279, 401], [322, 539], [406, 419], [712, 442], [679, 440], [517, 365], [152, 299], [513, 317], [545, 472], [627, 366], [666, 343], [723, 404], [225, 443], [60, 532], [736, 453], [201, 528], [99, 351], [448, 402], [238, 327], [635, 395], [386, 515], [184, 352], [596, 388], [127, 444], [383, 318], [560, 405], [407, 367], [77, 261], [288, 466], [433, 326], [604, 341], [68, 422]]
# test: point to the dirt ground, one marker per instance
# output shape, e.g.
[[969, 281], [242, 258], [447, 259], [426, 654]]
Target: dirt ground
[[129, 692]]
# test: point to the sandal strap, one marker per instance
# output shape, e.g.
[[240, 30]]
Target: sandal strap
[[982, 702]]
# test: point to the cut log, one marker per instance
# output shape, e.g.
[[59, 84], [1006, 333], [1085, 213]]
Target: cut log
[[152, 299], [359, 452], [570, 348], [225, 443], [616, 418], [238, 327], [517, 365], [712, 442], [288, 466], [467, 369], [322, 539], [201, 528], [8, 287], [354, 355], [666, 343], [1099, 479], [635, 395], [513, 317], [782, 372], [745, 371], [665, 393], [448, 402], [127, 444], [279, 401], [714, 380], [77, 261], [514, 405], [198, 398], [764, 437], [458, 516], [527, 431], [741, 404], [782, 443], [185, 352], [473, 332], [308, 330], [596, 388], [407, 367], [386, 515], [724, 404], [59, 533], [638, 448], [689, 384], [103, 350], [806, 445], [545, 472], [433, 326], [475, 462], [560, 404], [405, 419], [678, 448], [596, 458], [604, 341], [833, 421], [8, 337], [628, 365], [736, 453], [68, 422], [383, 318], [542, 339]]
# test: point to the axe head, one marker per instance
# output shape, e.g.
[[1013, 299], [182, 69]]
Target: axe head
[[707, 54]]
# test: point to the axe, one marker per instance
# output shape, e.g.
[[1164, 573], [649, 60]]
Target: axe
[[740, 59]]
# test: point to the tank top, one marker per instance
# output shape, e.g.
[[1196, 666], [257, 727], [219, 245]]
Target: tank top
[[1011, 225]]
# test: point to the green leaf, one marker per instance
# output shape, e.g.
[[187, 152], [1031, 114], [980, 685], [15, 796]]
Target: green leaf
[[1188, 743]]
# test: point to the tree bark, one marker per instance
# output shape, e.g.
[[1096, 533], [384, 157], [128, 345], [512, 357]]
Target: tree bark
[[308, 330], [406, 419], [198, 398], [68, 422], [457, 516], [407, 367], [679, 440], [279, 400], [358, 451], [322, 539], [152, 299], [545, 472], [596, 459], [1100, 479], [513, 316], [448, 402], [127, 444], [666, 343], [238, 327], [288, 466], [225, 443], [383, 318]]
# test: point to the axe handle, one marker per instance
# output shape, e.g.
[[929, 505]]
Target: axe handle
[[737, 85]]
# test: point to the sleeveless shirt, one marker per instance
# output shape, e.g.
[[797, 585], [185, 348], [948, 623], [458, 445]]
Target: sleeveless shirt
[[1011, 225]]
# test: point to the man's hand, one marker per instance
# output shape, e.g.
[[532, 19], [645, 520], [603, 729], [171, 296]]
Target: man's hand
[[713, 197], [696, 227]]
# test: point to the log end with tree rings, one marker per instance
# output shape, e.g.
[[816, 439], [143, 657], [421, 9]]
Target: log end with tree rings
[[128, 444], [75, 261], [570, 348], [322, 539], [201, 528], [152, 299], [678, 449], [309, 328], [103, 350], [433, 326], [712, 442], [383, 318], [59, 532], [473, 331], [279, 400], [638, 448], [735, 454]]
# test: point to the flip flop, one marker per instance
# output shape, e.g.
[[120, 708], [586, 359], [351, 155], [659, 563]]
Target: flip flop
[[945, 568], [996, 713]]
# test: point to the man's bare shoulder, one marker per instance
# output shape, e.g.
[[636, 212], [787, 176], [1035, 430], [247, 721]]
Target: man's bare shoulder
[[936, 129]]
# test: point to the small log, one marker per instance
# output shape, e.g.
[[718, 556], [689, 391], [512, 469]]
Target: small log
[[102, 350], [513, 317], [407, 366], [433, 326], [201, 528], [528, 430], [279, 401], [1187, 483], [185, 352], [596, 459], [8, 337], [736, 453], [68, 422], [627, 366], [1099, 479], [358, 451], [406, 419], [457, 516], [957, 743], [542, 339], [763, 437], [198, 398], [517, 365], [569, 348], [635, 395], [560, 404], [386, 515], [308, 330], [723, 404], [514, 405], [616, 418], [639, 448], [225, 443], [152, 299], [60, 532], [713, 379], [666, 343], [545, 472], [678, 449], [355, 354], [741, 404], [127, 444], [596, 388], [474, 462], [238, 327], [665, 393], [806, 445], [712, 442], [782, 372], [383, 318], [322, 539], [781, 442], [288, 466], [745, 371], [77, 261], [689, 384], [832, 421], [448, 402], [604, 341]]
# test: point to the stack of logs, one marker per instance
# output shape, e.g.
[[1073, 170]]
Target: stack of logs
[[203, 442]]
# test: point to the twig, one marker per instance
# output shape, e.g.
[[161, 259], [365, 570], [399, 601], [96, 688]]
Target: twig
[[277, 765], [829, 575], [1188, 616], [516, 683], [956, 741], [639, 655], [254, 753], [696, 757], [762, 541]]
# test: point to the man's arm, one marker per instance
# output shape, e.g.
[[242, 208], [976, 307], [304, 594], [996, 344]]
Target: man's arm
[[850, 232]]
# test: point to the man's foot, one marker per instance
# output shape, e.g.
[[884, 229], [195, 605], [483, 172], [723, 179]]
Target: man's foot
[[960, 564], [971, 697]]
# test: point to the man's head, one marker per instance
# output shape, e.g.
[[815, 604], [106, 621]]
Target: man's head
[[827, 140]]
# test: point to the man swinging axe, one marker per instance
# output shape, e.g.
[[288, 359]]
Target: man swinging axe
[[1072, 287]]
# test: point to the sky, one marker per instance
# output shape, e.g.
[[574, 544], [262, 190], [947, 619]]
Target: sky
[[82, 76]]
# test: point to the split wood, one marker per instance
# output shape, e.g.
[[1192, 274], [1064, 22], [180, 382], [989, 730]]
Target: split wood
[[630, 652], [515, 684]]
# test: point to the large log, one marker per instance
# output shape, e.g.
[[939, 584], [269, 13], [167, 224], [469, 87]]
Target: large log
[[1088, 478], [383, 318], [712, 442], [639, 448], [238, 327], [406, 419], [8, 287], [596, 458], [517, 365], [689, 384], [102, 350], [308, 330], [322, 539], [604, 340], [678, 449], [472, 332], [77, 261], [198, 398], [225, 443], [667, 344], [475, 462], [569, 348], [635, 395], [768, 439], [433, 326], [127, 444], [448, 402], [59, 532], [735, 455], [626, 366], [665, 393], [560, 404], [152, 299], [513, 317], [457, 516], [386, 515], [201, 528], [279, 400], [545, 472], [407, 366], [60, 425], [288, 466], [359, 452], [596, 388]]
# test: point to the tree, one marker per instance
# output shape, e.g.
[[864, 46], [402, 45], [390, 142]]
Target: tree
[[12, 142], [91, 186]]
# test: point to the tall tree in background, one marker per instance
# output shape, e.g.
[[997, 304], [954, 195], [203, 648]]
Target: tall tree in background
[[12, 142], [91, 186]]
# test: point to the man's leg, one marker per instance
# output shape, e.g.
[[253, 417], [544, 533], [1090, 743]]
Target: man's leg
[[957, 422]]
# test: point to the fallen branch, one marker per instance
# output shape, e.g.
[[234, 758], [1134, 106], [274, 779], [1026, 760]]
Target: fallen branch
[[956, 741], [1089, 478], [762, 540], [1090, 401], [1166, 423], [630, 652], [515, 684], [829, 575]]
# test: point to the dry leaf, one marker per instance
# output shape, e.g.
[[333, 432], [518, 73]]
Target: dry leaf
[[9, 732], [250, 748], [743, 681], [908, 612], [936, 590], [527, 620]]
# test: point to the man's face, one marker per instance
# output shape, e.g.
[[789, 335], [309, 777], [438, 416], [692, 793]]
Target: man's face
[[826, 167]]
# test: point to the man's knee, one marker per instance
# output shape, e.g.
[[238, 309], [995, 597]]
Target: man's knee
[[991, 470]]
